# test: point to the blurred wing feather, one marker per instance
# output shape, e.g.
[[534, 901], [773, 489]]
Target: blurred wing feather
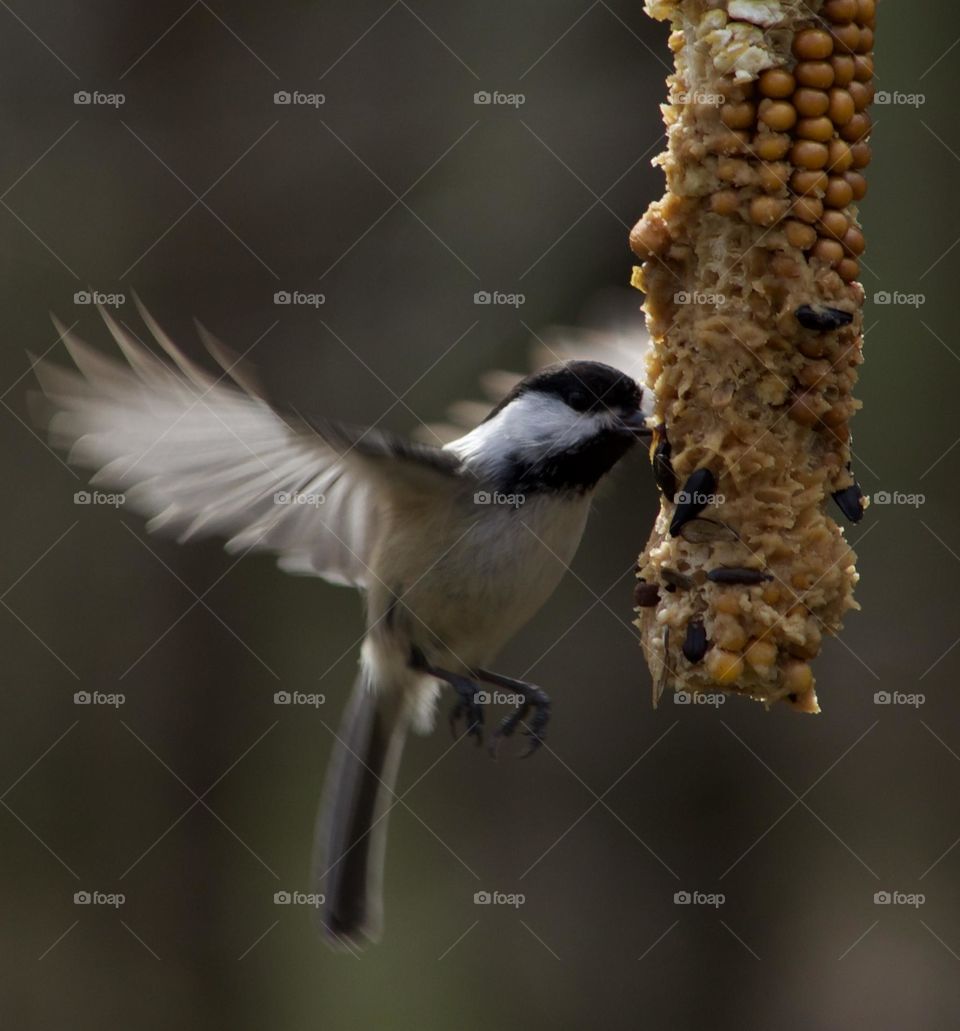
[[199, 455]]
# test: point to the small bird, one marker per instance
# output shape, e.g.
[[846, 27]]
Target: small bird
[[453, 547]]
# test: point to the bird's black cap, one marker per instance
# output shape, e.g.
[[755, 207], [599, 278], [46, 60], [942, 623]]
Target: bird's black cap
[[584, 386]]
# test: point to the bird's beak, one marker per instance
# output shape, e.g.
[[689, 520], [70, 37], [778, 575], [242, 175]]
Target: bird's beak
[[635, 422]]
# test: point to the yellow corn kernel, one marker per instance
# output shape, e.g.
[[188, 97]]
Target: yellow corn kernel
[[761, 655], [725, 668]]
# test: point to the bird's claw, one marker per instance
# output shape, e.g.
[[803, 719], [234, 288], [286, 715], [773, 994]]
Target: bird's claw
[[534, 730]]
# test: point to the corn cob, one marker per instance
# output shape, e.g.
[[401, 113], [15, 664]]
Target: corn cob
[[750, 266]]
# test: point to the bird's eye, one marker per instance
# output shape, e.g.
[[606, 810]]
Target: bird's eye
[[578, 400]]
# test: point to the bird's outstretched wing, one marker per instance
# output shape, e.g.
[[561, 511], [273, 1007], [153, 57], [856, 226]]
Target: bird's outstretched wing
[[201, 454]]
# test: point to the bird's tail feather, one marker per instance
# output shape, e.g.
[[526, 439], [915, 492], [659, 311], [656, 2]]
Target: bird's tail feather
[[351, 834]]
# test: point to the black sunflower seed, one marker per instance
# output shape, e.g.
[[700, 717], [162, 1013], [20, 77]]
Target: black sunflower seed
[[673, 579], [729, 575], [663, 472], [697, 493], [849, 500], [645, 595], [695, 643], [822, 319], [706, 531]]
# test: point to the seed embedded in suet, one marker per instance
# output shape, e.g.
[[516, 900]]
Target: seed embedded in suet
[[828, 251], [663, 472], [772, 146], [732, 575], [766, 211], [697, 493], [839, 193], [850, 502], [818, 129], [695, 642], [800, 235], [811, 103], [645, 595], [818, 74], [810, 154], [777, 115], [724, 202], [778, 83], [841, 108], [821, 318], [812, 45], [738, 116]]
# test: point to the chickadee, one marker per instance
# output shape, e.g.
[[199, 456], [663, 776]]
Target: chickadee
[[454, 548]]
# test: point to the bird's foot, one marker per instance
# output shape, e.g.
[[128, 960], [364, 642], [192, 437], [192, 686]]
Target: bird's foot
[[531, 698]]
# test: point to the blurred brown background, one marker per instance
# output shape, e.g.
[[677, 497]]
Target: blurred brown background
[[398, 198]]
